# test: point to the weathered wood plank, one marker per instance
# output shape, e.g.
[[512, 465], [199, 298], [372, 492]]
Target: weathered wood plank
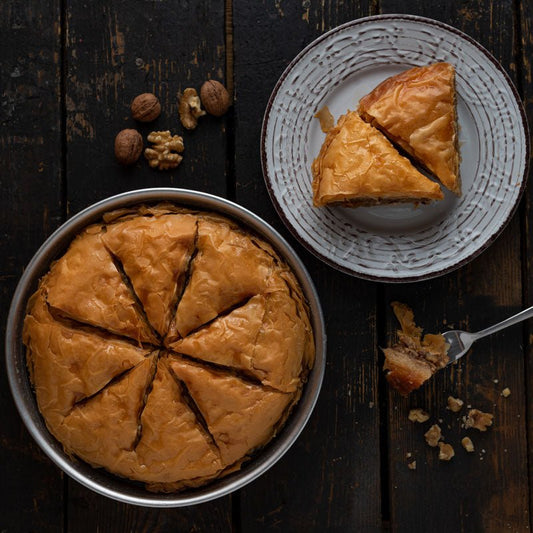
[[525, 83], [116, 50], [30, 201], [330, 479], [487, 490]]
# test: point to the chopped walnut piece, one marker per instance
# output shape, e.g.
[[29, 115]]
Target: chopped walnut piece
[[166, 149], [190, 108], [506, 392], [455, 404], [446, 451], [467, 443], [411, 465], [418, 415], [433, 435], [478, 419]]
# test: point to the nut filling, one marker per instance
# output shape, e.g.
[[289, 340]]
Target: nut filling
[[167, 346]]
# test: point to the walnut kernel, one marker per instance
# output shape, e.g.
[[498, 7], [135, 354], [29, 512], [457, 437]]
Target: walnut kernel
[[467, 443], [478, 419], [189, 108], [446, 451], [215, 97], [418, 415], [411, 465], [145, 107], [128, 146], [433, 435], [455, 404], [166, 149]]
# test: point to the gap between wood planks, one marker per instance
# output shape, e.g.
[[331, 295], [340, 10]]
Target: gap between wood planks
[[231, 182]]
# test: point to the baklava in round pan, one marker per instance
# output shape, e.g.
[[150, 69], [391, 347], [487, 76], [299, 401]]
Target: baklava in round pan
[[174, 346]]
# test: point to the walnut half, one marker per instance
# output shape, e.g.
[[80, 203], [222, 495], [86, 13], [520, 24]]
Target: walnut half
[[166, 149], [190, 108]]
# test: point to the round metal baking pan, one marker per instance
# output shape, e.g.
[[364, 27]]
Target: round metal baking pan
[[100, 480]]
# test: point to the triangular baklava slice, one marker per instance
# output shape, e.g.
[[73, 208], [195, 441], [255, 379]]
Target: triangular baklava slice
[[358, 166], [174, 448], [85, 285], [266, 338], [69, 364], [240, 415], [104, 429], [416, 109], [228, 269], [154, 252]]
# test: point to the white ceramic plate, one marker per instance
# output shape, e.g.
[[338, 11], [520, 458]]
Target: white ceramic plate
[[396, 243]]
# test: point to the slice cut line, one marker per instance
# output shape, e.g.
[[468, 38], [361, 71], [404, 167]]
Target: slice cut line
[[416, 110], [68, 365], [240, 416], [226, 270], [358, 166], [154, 253], [85, 285]]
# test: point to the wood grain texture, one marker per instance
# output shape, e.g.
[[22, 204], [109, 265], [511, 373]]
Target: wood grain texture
[[117, 50], [330, 479], [524, 70], [487, 490], [30, 209], [114, 51]]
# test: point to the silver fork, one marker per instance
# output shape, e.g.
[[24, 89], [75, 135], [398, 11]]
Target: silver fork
[[461, 341]]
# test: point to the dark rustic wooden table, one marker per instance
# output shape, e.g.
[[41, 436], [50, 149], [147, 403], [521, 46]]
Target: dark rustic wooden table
[[68, 72]]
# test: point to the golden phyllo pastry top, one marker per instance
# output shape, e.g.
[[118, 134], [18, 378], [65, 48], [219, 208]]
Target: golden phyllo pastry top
[[167, 345], [416, 109]]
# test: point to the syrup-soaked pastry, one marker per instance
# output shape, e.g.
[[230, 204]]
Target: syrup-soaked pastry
[[228, 268], [104, 429], [68, 364], [154, 252], [266, 338], [85, 285], [413, 360], [240, 415], [416, 109], [358, 166], [173, 445], [103, 377]]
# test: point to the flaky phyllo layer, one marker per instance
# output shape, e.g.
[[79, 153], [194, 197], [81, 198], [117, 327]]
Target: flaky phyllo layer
[[167, 345]]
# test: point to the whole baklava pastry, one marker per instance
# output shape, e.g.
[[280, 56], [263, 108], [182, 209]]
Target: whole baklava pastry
[[167, 345]]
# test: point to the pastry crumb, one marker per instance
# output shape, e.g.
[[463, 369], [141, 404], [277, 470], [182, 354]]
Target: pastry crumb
[[455, 404], [446, 451], [418, 415], [411, 465], [433, 435], [408, 455], [467, 443], [326, 119], [478, 419], [506, 392], [495, 380]]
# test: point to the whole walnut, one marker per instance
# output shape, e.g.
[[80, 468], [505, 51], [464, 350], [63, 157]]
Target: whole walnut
[[215, 97], [145, 107], [128, 146]]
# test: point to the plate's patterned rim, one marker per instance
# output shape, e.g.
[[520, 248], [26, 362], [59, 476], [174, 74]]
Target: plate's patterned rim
[[482, 212]]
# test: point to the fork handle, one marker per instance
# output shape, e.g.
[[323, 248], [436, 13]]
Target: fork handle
[[523, 315]]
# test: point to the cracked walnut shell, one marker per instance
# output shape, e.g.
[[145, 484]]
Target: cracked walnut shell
[[166, 149], [190, 108]]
